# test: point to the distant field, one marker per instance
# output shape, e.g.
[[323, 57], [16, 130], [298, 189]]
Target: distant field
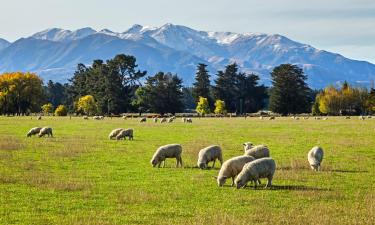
[[81, 177]]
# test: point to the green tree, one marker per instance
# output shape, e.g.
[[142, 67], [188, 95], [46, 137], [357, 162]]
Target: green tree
[[290, 93], [251, 96], [61, 110], [219, 107], [201, 86], [47, 108], [55, 93], [203, 107], [87, 105], [226, 86]]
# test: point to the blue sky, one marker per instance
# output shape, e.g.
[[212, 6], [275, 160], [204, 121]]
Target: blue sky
[[343, 26]]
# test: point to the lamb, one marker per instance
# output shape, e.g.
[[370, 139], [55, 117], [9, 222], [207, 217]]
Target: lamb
[[253, 171], [33, 131], [167, 151], [231, 168], [258, 151], [163, 120], [114, 133], [189, 120], [315, 157], [125, 133], [209, 154], [143, 119], [45, 131]]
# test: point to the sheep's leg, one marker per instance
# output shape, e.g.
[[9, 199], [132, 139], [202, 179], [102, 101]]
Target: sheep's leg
[[269, 182], [164, 163], [159, 164], [259, 182], [255, 183], [213, 165], [232, 181], [180, 161]]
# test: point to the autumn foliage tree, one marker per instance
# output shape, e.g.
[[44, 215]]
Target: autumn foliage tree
[[47, 108], [202, 106], [87, 105], [20, 93], [219, 107]]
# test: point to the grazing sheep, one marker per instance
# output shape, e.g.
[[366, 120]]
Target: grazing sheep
[[155, 120], [114, 133], [315, 157], [247, 145], [272, 118], [369, 117], [183, 119], [361, 118], [306, 118], [325, 118], [39, 118], [143, 119], [209, 154], [45, 131], [98, 117], [318, 118], [258, 151], [125, 133], [189, 120], [261, 118], [163, 120], [124, 117], [33, 131], [167, 151], [347, 117], [231, 168], [170, 120], [85, 117], [253, 171]]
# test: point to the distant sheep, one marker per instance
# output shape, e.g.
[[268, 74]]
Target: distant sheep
[[124, 117], [315, 157], [170, 120], [261, 117], [258, 151], [125, 133], [85, 117], [33, 131], [253, 171], [272, 118], [167, 151], [189, 120], [155, 120], [114, 133], [163, 120], [45, 131], [39, 118], [209, 154], [143, 119], [347, 117], [98, 117], [231, 168], [361, 118], [183, 119]]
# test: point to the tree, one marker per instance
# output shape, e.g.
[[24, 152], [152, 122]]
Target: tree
[[290, 93], [201, 86], [47, 108], [203, 106], [226, 86], [55, 93], [162, 93], [219, 107], [188, 99], [251, 96], [20, 93], [61, 111], [87, 105]]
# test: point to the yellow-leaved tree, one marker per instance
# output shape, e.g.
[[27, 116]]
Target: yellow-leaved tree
[[219, 107], [87, 105], [61, 111], [47, 108], [202, 106]]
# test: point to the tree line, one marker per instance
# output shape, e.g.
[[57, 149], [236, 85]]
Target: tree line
[[117, 86]]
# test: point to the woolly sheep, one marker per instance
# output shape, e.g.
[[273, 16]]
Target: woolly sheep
[[189, 120], [143, 119], [361, 118], [315, 157], [209, 154], [253, 171], [33, 131], [258, 151], [261, 117], [167, 151], [45, 131], [247, 146], [125, 133], [231, 168], [124, 117], [114, 133], [163, 120]]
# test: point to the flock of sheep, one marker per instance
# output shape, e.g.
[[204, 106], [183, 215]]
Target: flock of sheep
[[253, 165]]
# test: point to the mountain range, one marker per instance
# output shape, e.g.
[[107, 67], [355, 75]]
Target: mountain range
[[54, 53]]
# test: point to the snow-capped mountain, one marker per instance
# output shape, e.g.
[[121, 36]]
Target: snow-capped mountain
[[54, 53]]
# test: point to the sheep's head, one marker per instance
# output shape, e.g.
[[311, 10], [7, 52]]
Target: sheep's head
[[221, 181], [154, 162], [28, 134], [239, 183], [202, 165], [247, 145]]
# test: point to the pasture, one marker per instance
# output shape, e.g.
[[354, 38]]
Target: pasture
[[81, 177]]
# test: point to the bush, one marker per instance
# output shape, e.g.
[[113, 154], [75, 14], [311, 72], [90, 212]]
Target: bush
[[61, 111]]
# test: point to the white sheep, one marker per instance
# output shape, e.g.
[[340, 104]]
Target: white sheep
[[45, 131], [124, 117], [33, 131], [258, 151], [315, 157], [209, 154], [114, 133], [143, 119], [155, 120], [361, 118], [163, 120], [167, 151], [189, 120], [247, 146], [125, 133], [231, 168], [253, 171], [261, 117], [183, 119]]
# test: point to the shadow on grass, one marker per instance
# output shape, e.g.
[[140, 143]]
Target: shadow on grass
[[296, 188]]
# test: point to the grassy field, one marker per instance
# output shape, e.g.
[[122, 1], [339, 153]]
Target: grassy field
[[81, 177]]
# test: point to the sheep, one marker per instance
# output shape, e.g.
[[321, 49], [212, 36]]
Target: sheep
[[209, 154], [261, 117], [189, 120], [114, 133], [306, 118], [125, 133], [315, 157], [124, 117], [183, 119], [325, 118], [98, 117], [247, 145], [170, 120], [369, 117], [253, 171], [163, 120], [361, 118], [39, 118], [347, 117], [167, 151], [33, 131], [272, 118], [258, 151], [85, 118], [45, 131], [155, 120], [231, 168], [143, 119]]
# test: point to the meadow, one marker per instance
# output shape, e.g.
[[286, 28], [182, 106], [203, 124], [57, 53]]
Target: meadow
[[81, 177]]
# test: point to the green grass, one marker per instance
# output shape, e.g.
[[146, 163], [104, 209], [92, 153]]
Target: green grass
[[81, 177]]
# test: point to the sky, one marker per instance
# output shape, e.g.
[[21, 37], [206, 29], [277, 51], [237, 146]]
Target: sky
[[346, 27]]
